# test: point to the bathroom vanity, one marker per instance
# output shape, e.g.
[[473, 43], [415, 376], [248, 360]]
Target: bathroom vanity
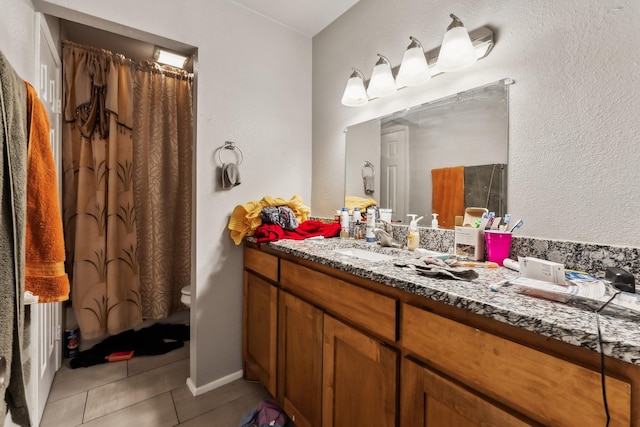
[[340, 340]]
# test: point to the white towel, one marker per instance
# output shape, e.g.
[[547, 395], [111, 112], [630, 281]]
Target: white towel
[[230, 175]]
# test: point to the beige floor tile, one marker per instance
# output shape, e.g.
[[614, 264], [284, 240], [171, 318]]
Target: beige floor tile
[[120, 394], [228, 415], [69, 382], [188, 406], [141, 364], [66, 412], [155, 412]]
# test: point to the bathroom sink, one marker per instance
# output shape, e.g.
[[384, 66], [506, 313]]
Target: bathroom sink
[[364, 254]]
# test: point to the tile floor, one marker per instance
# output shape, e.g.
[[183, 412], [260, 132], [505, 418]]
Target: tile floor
[[144, 391]]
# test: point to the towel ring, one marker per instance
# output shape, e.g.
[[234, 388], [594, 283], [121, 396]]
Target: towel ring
[[368, 164], [230, 145]]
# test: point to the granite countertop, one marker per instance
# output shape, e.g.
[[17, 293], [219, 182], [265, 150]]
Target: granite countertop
[[564, 322]]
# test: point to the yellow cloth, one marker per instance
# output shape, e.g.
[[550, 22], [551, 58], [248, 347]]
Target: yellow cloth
[[44, 258], [246, 218], [352, 202]]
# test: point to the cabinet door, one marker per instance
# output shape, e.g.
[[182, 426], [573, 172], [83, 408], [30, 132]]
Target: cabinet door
[[300, 360], [260, 310], [428, 399], [531, 382], [359, 378]]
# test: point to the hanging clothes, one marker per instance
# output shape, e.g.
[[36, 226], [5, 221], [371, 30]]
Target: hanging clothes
[[13, 204]]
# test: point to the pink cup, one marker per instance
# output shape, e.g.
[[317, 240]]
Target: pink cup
[[498, 245]]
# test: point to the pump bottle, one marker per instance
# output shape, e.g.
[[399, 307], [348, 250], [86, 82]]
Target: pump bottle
[[413, 237], [434, 221]]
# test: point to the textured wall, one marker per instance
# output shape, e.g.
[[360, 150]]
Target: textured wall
[[574, 168], [254, 88], [17, 30]]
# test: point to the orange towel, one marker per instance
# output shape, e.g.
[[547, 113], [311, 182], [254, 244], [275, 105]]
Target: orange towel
[[44, 258], [447, 197]]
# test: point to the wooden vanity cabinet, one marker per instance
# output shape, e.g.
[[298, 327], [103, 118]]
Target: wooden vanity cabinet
[[300, 360], [359, 378], [531, 383], [260, 318], [429, 399], [353, 352], [330, 372]]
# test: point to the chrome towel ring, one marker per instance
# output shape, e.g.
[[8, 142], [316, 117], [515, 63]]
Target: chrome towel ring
[[230, 145], [368, 165]]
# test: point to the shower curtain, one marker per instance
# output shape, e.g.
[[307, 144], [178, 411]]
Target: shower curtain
[[163, 135], [105, 224]]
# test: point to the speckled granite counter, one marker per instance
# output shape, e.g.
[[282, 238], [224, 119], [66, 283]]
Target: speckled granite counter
[[567, 323]]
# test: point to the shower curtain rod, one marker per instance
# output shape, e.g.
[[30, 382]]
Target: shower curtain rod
[[143, 64]]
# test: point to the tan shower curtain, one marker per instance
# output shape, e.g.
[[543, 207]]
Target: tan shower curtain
[[101, 213], [163, 135], [98, 208]]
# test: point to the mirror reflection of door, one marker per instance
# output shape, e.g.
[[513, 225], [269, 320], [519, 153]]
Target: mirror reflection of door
[[394, 172]]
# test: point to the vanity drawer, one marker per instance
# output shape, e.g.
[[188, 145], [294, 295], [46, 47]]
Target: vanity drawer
[[536, 384], [374, 312], [262, 263]]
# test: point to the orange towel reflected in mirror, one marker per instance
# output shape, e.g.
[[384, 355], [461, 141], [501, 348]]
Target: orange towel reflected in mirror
[[448, 194]]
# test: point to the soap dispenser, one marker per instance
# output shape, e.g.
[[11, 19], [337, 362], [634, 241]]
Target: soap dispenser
[[413, 237], [434, 221]]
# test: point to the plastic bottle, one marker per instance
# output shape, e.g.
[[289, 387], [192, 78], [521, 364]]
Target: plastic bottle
[[413, 237], [371, 225], [357, 217], [344, 223], [434, 221]]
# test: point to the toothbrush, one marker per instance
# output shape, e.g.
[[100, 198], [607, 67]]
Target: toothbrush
[[517, 225], [486, 264], [506, 219]]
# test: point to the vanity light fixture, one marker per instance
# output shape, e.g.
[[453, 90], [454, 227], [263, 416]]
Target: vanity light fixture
[[169, 58], [355, 95], [382, 82], [439, 60], [456, 52], [414, 68]]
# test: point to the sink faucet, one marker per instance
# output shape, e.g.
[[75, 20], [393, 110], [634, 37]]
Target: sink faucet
[[385, 239]]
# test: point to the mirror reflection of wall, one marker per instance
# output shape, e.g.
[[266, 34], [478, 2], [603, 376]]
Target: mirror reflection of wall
[[407, 148]]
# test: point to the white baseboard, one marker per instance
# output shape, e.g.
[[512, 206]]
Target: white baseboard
[[196, 391]]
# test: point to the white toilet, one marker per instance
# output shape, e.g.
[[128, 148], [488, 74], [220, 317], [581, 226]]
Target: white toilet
[[185, 298]]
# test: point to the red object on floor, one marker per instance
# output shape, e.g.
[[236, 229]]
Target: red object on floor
[[120, 355]]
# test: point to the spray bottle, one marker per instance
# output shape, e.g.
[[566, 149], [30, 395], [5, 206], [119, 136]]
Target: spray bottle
[[413, 237], [434, 221]]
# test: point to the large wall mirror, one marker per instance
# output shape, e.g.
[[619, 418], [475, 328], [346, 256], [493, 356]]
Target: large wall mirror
[[439, 157]]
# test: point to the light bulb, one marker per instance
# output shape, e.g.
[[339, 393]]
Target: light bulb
[[382, 82], [355, 94], [414, 68], [457, 51]]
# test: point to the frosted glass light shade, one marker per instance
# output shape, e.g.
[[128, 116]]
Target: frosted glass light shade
[[414, 68], [457, 51], [355, 94], [381, 82]]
